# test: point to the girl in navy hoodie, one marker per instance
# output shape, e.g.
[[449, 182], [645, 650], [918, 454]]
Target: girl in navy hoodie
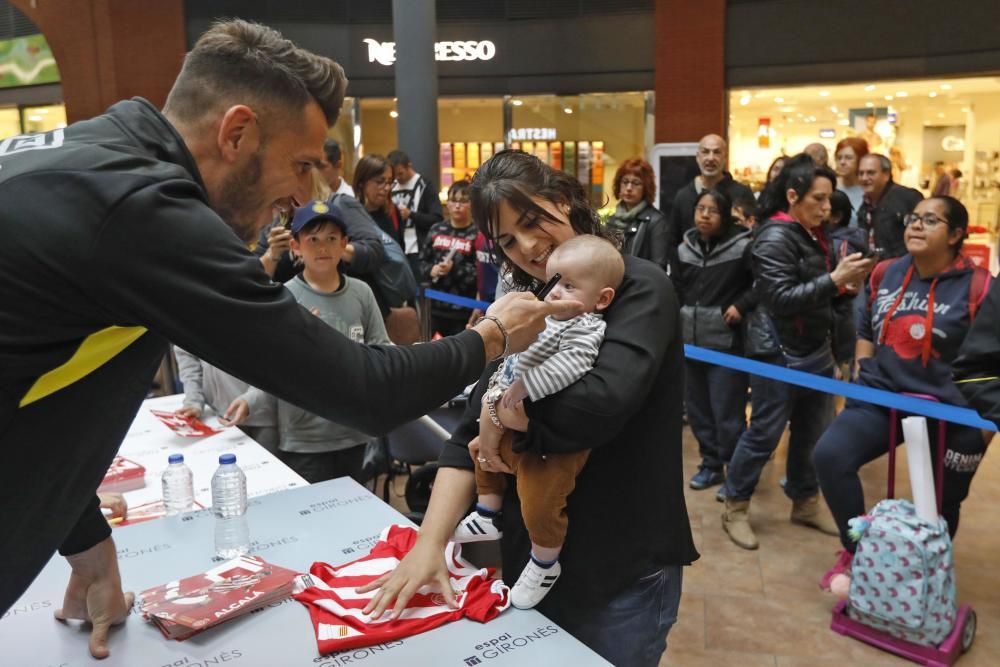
[[918, 311]]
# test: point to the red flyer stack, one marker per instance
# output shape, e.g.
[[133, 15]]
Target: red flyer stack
[[123, 475], [239, 586]]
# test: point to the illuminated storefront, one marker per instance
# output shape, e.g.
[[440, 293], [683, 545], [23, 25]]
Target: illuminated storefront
[[916, 123]]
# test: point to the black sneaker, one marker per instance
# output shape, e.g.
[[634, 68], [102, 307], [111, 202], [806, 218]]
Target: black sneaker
[[705, 478]]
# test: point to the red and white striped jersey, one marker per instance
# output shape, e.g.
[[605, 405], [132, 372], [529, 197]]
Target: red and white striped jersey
[[336, 609]]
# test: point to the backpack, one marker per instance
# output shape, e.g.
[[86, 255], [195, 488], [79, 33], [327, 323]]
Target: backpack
[[977, 286], [394, 278], [902, 575]]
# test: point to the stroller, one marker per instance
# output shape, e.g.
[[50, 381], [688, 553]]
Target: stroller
[[848, 615]]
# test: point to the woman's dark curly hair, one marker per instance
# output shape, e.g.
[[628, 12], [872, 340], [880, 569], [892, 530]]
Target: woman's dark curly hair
[[515, 177]]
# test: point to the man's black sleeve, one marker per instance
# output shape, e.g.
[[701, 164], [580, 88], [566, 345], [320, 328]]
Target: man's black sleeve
[[90, 528], [428, 209], [365, 235], [977, 369], [186, 276]]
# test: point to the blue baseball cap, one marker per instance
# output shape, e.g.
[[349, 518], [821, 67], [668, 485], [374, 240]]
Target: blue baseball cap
[[315, 210]]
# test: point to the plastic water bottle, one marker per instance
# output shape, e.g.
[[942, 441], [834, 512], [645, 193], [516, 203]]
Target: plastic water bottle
[[178, 486], [229, 503]]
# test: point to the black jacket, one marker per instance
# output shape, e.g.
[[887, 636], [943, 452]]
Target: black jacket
[[977, 369], [793, 284], [627, 516], [426, 211], [112, 250], [648, 236], [682, 214], [709, 280], [884, 221]]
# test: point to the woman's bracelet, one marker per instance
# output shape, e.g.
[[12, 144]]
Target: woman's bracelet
[[503, 331]]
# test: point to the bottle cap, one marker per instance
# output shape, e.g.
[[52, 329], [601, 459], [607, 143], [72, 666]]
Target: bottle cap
[[175, 458], [226, 459]]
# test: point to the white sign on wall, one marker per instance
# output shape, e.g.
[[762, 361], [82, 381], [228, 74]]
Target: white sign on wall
[[531, 134], [384, 53]]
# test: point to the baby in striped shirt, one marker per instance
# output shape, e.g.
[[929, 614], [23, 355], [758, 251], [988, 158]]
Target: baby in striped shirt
[[592, 269]]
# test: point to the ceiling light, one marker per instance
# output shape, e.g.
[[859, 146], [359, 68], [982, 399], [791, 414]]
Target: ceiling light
[[824, 93], [843, 121], [902, 93], [394, 114], [516, 103], [888, 97], [869, 104], [840, 115], [567, 110], [35, 118], [945, 86], [43, 110], [940, 115], [965, 109], [744, 100], [786, 109], [933, 93], [779, 100], [870, 87], [834, 109]]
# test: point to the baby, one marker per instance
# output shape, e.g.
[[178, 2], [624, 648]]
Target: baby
[[591, 269]]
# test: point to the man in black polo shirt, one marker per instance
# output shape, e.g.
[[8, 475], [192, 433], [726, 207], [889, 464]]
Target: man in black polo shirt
[[712, 156], [885, 205]]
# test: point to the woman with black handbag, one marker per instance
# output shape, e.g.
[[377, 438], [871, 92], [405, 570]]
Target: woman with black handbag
[[795, 286]]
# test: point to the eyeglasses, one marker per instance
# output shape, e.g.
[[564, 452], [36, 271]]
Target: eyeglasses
[[706, 210], [626, 182], [458, 202], [382, 182], [928, 220]]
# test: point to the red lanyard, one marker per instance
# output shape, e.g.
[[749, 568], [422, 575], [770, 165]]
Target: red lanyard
[[928, 340]]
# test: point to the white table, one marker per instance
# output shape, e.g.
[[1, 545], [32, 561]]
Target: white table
[[149, 442], [336, 522]]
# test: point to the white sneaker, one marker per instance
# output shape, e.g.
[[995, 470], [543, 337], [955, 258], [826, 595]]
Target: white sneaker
[[476, 528], [534, 584]]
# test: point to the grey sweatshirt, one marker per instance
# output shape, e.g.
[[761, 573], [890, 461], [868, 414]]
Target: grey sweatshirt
[[352, 311]]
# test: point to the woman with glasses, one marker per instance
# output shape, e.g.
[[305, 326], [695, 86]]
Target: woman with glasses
[[373, 183], [918, 310], [448, 261], [644, 229], [715, 285]]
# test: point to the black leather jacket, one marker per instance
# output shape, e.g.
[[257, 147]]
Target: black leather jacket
[[793, 284], [648, 236]]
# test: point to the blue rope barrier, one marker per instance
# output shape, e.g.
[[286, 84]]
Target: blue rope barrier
[[463, 301], [887, 399]]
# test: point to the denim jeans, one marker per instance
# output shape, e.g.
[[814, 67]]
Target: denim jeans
[[772, 405], [860, 434], [630, 630], [716, 408]]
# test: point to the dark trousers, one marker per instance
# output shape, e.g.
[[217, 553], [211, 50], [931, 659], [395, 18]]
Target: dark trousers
[[860, 434], [716, 409], [630, 630], [449, 323], [772, 405], [322, 466]]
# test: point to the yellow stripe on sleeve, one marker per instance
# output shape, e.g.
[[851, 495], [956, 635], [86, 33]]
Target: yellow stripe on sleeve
[[95, 351]]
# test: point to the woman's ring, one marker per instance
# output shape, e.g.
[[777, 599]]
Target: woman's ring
[[481, 459]]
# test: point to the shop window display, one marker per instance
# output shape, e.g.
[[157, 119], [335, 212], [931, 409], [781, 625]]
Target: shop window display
[[925, 127]]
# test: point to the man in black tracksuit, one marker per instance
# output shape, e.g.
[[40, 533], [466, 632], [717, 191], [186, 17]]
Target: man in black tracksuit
[[119, 239]]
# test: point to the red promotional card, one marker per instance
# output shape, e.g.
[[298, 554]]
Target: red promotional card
[[186, 427], [123, 475], [145, 512], [229, 590]]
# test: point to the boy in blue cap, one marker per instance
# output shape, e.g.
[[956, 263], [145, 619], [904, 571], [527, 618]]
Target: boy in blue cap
[[316, 448]]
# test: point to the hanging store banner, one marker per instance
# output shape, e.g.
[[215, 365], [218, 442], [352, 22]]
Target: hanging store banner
[[26, 61]]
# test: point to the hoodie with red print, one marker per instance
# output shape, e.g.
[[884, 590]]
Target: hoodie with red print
[[917, 325]]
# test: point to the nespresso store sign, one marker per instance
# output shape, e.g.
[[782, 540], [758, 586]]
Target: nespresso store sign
[[384, 53], [531, 134]]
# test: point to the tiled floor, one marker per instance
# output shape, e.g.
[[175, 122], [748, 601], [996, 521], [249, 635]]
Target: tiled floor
[[764, 607]]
